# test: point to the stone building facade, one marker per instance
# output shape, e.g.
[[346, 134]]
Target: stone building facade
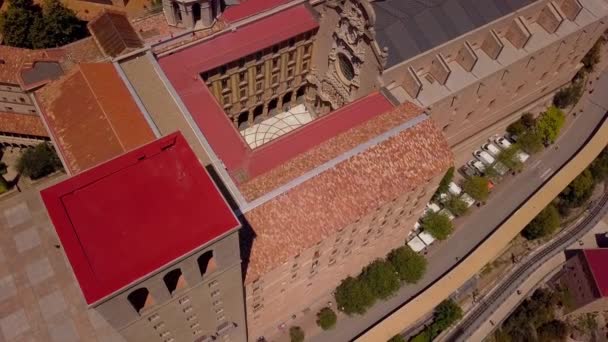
[[192, 14]]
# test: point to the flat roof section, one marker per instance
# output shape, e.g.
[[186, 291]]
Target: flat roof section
[[128, 217], [409, 28], [597, 259]]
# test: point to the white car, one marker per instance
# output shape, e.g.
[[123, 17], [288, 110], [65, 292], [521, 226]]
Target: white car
[[454, 189], [522, 156], [484, 157], [417, 226], [503, 143], [492, 149], [477, 165], [433, 207], [447, 213], [427, 238], [466, 198], [501, 168]]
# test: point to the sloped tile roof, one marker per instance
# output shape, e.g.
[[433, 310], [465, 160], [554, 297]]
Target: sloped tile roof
[[22, 124], [12, 59], [92, 116], [114, 34], [315, 209]]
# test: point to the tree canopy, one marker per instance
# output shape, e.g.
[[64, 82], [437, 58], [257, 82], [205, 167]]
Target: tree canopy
[[27, 25], [410, 266], [456, 206], [39, 161], [553, 331], [446, 314], [531, 141], [296, 334], [354, 296], [397, 338], [544, 224], [381, 279], [568, 96], [509, 158], [438, 225], [550, 124], [599, 167], [326, 318], [477, 187], [578, 191]]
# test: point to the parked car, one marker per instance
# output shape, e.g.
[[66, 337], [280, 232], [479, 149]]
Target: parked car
[[476, 165], [492, 149], [522, 156], [466, 198], [501, 168], [484, 157], [447, 213], [454, 189], [503, 142], [468, 171], [433, 207]]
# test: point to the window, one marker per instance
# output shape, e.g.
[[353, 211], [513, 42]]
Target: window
[[215, 293], [224, 83], [259, 69], [258, 86], [241, 62], [242, 76], [243, 92], [345, 67], [174, 280], [275, 49], [223, 70], [213, 283], [206, 263], [140, 299], [275, 79], [275, 63], [292, 42], [290, 72], [226, 99], [306, 49], [292, 56]]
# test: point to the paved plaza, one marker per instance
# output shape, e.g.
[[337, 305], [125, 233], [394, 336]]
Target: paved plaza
[[39, 297], [276, 126]]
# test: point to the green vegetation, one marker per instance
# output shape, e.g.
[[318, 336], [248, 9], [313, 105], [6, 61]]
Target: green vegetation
[[446, 314], [437, 225], [599, 167], [534, 317], [296, 334], [444, 183], [550, 124], [569, 95], [3, 185], [27, 25], [593, 56], [577, 192], [39, 161], [509, 158], [477, 187], [353, 296], [397, 338], [326, 318], [456, 206], [544, 224], [410, 266], [381, 278], [531, 142]]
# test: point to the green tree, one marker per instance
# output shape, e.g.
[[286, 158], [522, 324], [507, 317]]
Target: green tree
[[16, 21], [552, 331], [39, 161], [550, 124], [456, 206], [353, 296], [410, 266], [423, 336], [446, 314], [509, 158], [477, 187], [296, 334], [544, 224], [380, 277], [531, 142], [57, 27], [578, 191], [517, 128], [437, 225], [528, 120], [326, 318], [444, 183], [593, 56], [397, 338], [599, 167], [3, 185]]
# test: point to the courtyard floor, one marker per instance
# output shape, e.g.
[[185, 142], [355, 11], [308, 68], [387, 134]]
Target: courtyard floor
[[276, 126]]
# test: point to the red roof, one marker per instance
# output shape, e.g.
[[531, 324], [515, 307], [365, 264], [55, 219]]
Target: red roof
[[132, 215], [249, 8], [597, 259], [246, 40]]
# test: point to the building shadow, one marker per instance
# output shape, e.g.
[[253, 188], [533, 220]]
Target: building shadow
[[601, 240]]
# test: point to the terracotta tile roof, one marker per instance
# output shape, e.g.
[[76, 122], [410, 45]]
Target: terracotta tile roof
[[12, 59], [114, 34], [22, 124], [82, 51], [155, 27], [315, 209], [92, 116], [327, 151]]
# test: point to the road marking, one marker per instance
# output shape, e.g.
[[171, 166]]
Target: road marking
[[546, 174], [536, 164]]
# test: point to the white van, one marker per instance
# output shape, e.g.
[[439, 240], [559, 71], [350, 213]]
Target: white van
[[484, 157], [454, 189], [492, 149]]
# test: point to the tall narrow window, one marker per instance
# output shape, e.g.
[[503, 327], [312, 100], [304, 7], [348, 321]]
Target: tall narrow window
[[206, 263], [174, 280]]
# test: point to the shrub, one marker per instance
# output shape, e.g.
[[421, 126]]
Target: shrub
[[423, 336], [456, 206], [296, 334], [381, 279], [410, 266], [552, 331], [517, 128], [397, 338], [354, 296], [509, 158], [39, 161], [599, 167], [531, 142], [326, 318], [444, 183], [437, 225], [477, 187], [528, 120], [3, 185], [593, 56], [544, 224], [446, 314], [550, 124], [569, 95], [578, 191]]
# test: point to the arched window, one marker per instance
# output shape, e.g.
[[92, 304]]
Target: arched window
[[346, 67], [174, 280], [206, 263], [140, 299]]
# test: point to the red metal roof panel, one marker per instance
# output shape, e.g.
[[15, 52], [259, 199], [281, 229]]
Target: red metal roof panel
[[132, 215], [597, 259]]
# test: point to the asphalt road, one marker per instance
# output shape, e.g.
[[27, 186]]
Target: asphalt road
[[473, 229]]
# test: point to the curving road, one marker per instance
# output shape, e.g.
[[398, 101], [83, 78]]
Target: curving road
[[490, 303]]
